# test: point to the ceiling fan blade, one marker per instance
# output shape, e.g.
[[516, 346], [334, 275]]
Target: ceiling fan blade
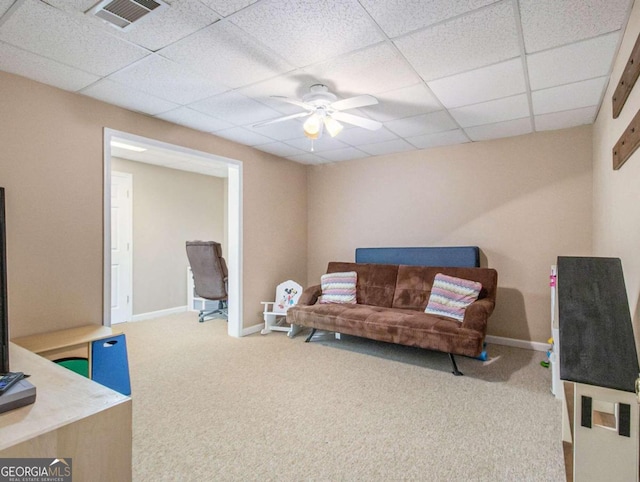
[[299, 103], [281, 119], [356, 120], [354, 102]]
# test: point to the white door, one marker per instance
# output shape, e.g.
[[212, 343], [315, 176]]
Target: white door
[[121, 247]]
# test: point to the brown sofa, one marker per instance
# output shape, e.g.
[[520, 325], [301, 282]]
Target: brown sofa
[[391, 300]]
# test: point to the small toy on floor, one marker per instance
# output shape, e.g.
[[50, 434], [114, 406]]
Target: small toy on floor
[[547, 362]]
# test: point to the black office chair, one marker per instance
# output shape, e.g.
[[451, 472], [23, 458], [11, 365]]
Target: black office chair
[[209, 275]]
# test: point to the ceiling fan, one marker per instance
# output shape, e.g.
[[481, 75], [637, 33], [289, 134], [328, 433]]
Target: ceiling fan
[[325, 111]]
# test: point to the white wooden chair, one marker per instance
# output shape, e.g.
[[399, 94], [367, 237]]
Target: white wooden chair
[[275, 312]]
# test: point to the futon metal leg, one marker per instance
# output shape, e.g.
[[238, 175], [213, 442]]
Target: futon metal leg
[[456, 372], [313, 332]]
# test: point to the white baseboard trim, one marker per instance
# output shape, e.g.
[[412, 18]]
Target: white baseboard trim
[[252, 329], [529, 345], [157, 314]]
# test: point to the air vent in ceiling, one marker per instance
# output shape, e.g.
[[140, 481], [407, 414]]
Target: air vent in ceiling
[[123, 13]]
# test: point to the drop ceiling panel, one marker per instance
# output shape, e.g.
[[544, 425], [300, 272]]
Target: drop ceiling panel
[[569, 96], [226, 55], [308, 32], [567, 64], [406, 102], [399, 17], [356, 136], [438, 139], [46, 31], [280, 149], [280, 131], [163, 78], [480, 85], [387, 147], [194, 119], [227, 7], [568, 118], [422, 124], [117, 94], [375, 69], [307, 158], [346, 154], [481, 38], [243, 136], [514, 107], [293, 84], [41, 69], [509, 128], [235, 108], [550, 23], [5, 5]]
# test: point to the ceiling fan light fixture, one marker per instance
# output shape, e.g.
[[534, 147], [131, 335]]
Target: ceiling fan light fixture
[[312, 126], [333, 126]]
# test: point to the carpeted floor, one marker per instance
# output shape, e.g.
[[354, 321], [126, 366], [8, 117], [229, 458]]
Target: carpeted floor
[[208, 407]]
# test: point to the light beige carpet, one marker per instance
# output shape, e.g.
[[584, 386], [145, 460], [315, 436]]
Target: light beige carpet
[[208, 407]]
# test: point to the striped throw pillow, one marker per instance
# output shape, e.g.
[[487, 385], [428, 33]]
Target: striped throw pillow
[[450, 296], [339, 287]]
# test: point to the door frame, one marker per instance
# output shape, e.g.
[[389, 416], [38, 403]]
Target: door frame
[[129, 178], [234, 225]]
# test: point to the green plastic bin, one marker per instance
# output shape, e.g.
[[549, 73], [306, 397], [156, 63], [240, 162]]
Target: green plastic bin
[[78, 365]]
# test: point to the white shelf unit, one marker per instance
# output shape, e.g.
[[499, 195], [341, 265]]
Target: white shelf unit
[[557, 387]]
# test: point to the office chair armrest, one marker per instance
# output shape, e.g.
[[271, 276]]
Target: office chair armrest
[[310, 295]]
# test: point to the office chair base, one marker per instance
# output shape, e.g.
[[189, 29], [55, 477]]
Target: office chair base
[[222, 310]]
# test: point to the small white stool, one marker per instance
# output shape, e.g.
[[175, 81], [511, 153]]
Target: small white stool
[[275, 312]]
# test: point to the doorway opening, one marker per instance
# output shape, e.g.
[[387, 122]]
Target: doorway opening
[[178, 157]]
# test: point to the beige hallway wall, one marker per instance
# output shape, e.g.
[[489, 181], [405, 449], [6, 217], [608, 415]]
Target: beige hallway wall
[[169, 208], [522, 200], [51, 163], [616, 194]]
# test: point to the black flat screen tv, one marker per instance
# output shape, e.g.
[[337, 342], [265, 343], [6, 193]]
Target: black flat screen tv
[[4, 309]]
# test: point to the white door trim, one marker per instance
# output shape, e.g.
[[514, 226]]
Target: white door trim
[[234, 217], [128, 178]]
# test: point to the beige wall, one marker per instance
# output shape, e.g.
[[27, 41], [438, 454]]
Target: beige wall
[[616, 194], [522, 200], [169, 208], [51, 163]]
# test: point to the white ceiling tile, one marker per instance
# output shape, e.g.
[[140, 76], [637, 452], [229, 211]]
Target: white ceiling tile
[[5, 5], [307, 158], [114, 93], [567, 118], [163, 78], [572, 63], [488, 83], [41, 69], [44, 30], [194, 119], [169, 25], [405, 102], [293, 84], [491, 112], [397, 17], [226, 55], [375, 69], [550, 23], [227, 7], [346, 154], [480, 38], [308, 32], [325, 143], [280, 131], [243, 136], [568, 96], [387, 147], [280, 149], [498, 130], [421, 124], [356, 136], [438, 139], [235, 108]]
